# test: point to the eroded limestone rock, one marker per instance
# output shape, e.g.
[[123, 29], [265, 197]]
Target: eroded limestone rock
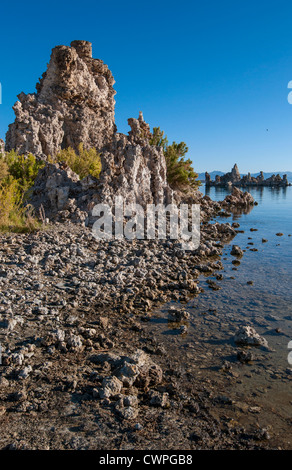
[[74, 103], [238, 198], [131, 168]]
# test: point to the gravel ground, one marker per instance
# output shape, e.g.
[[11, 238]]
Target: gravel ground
[[80, 367]]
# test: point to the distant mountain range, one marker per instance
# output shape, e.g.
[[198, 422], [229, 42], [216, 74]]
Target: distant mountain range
[[266, 175]]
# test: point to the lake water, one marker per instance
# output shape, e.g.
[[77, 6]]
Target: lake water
[[271, 266], [261, 390]]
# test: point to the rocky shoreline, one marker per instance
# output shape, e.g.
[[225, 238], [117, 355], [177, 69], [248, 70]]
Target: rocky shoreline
[[80, 369]]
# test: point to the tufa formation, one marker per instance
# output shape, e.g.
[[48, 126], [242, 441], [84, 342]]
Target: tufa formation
[[74, 104], [234, 178]]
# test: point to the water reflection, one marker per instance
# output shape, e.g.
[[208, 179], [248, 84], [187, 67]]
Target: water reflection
[[239, 211], [258, 192]]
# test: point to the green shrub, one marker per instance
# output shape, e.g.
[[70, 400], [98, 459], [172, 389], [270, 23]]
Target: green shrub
[[83, 163], [23, 168], [3, 169], [180, 172], [17, 175]]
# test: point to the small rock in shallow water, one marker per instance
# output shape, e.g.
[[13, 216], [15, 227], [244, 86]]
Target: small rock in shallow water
[[177, 315], [247, 335], [236, 251], [245, 356], [236, 262], [183, 329]]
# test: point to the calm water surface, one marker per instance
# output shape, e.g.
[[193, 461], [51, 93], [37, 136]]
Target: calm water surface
[[271, 266], [264, 384]]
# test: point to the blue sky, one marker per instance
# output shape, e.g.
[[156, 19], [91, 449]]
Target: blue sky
[[212, 74]]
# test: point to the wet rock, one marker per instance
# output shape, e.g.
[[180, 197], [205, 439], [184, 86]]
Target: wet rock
[[223, 400], [245, 356], [150, 374], [139, 370], [4, 382], [236, 251], [183, 329], [178, 314], [238, 198], [247, 335], [212, 284]]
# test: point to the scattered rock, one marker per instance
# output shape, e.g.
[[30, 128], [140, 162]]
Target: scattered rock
[[111, 386], [236, 251], [247, 335], [245, 356], [178, 314], [159, 399]]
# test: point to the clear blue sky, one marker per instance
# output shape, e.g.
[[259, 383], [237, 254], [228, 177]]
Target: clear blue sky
[[213, 74]]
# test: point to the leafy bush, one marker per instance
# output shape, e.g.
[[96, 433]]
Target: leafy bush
[[3, 169], [17, 175], [84, 162], [180, 172], [23, 168]]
